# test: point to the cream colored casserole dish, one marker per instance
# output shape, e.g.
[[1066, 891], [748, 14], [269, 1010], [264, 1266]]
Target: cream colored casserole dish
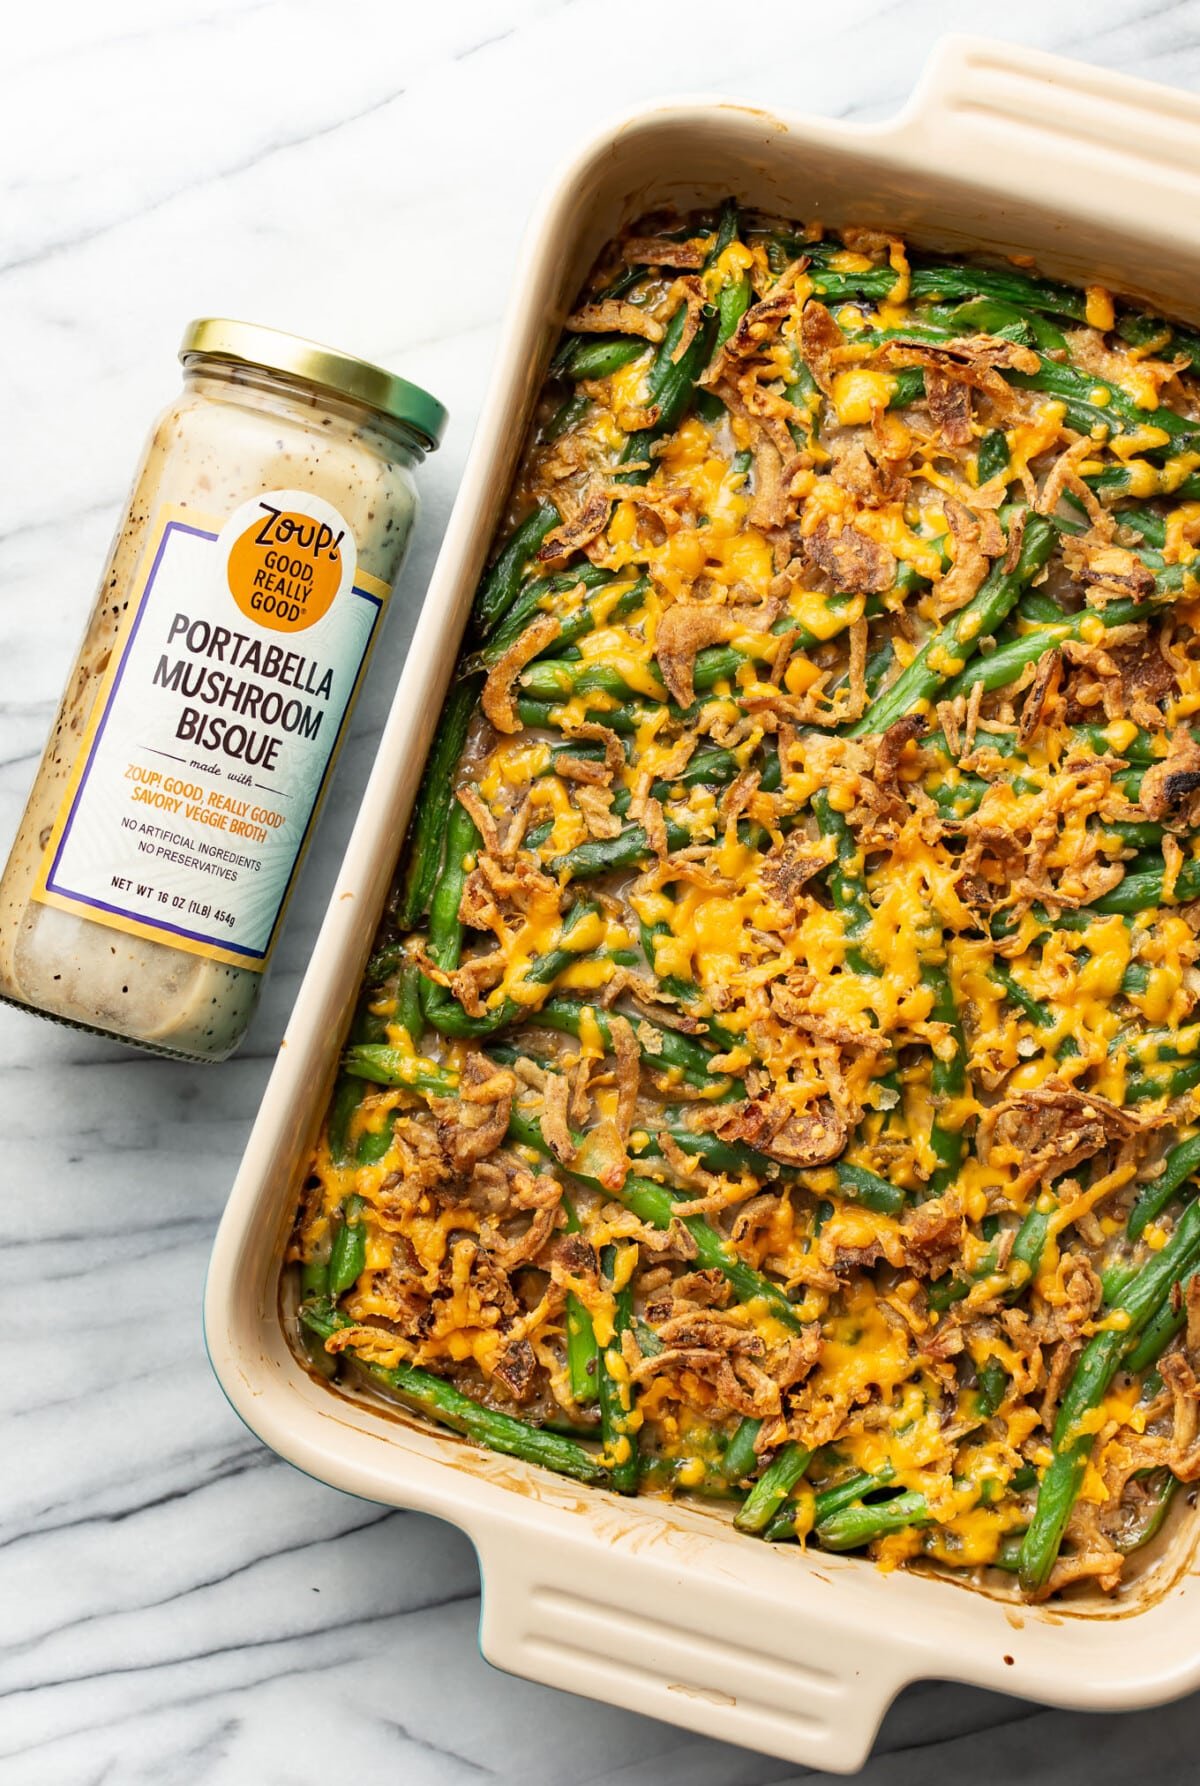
[[665, 1609]]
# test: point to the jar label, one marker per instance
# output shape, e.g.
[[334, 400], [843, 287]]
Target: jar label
[[205, 755]]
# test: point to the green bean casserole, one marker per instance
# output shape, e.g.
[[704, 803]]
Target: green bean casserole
[[777, 1077]]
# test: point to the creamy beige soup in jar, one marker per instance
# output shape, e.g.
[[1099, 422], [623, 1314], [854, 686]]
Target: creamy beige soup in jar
[[244, 591]]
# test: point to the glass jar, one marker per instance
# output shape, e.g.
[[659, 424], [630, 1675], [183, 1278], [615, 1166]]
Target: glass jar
[[268, 522]]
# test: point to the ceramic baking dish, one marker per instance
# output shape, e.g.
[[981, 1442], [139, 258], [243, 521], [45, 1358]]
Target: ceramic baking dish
[[665, 1609]]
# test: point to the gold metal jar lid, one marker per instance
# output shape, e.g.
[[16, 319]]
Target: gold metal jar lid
[[275, 351]]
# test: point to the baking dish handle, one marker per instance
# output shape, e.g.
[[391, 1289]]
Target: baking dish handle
[[1073, 135], [658, 1628]]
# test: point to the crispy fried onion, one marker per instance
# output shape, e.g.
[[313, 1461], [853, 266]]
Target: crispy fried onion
[[1053, 1128], [538, 1194], [1171, 787], [474, 1123], [615, 316], [571, 536], [661, 251], [855, 563], [498, 699], [688, 627], [977, 539], [729, 1357], [976, 361], [822, 344], [770, 1124]]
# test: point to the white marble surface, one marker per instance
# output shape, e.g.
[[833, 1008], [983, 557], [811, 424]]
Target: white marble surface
[[178, 1606]]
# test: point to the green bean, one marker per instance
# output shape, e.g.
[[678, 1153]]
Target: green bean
[[1005, 284], [1036, 605], [1140, 749], [408, 1002], [945, 1291], [1114, 1278], [989, 316], [772, 1489], [1004, 665], [347, 1096], [1139, 1301], [601, 855], [448, 1016], [583, 1351], [348, 1257], [732, 304], [1142, 890], [449, 1406], [993, 1386], [1159, 1331], [1030, 1243], [427, 830], [936, 281], [533, 600], [908, 386], [498, 590], [1131, 835], [847, 883], [445, 928], [373, 1144], [1116, 413], [1178, 342], [1038, 1013], [618, 1422], [830, 1501], [670, 384], [672, 985], [803, 393], [676, 1475], [1117, 480], [1170, 1085], [740, 1458], [384, 1065], [631, 845], [961, 638], [314, 1280], [993, 455], [659, 1046], [599, 356], [568, 415], [383, 963], [1151, 1047], [628, 276], [1154, 1523], [540, 716], [948, 1081], [855, 1183], [1075, 389], [931, 281], [861, 1524], [1152, 527], [367, 1026], [559, 678]]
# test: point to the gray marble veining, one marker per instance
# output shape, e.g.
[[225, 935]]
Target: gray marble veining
[[179, 1607]]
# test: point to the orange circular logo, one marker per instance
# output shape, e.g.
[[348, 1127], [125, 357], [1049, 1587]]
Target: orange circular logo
[[285, 569]]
